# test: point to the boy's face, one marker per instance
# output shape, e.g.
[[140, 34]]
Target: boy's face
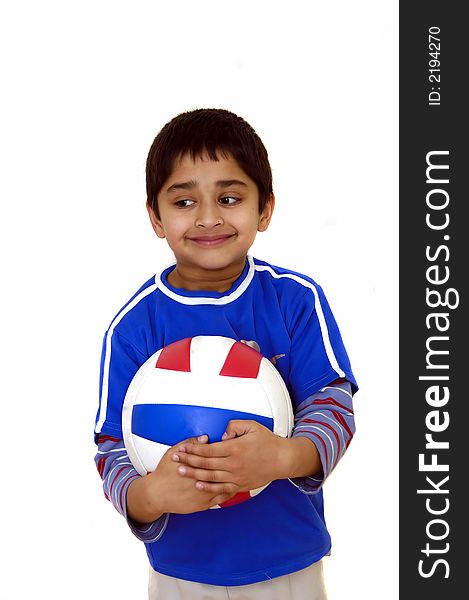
[[209, 215]]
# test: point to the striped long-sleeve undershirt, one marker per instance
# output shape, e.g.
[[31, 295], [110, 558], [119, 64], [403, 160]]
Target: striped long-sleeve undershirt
[[326, 418], [117, 472]]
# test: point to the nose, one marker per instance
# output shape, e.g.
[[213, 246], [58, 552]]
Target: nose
[[208, 215]]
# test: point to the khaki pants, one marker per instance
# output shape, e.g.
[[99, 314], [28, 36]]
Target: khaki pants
[[307, 584]]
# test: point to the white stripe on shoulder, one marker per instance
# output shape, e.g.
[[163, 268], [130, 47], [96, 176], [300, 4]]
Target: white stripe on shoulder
[[107, 358], [322, 320], [214, 301]]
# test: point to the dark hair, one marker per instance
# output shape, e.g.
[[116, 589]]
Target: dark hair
[[210, 131]]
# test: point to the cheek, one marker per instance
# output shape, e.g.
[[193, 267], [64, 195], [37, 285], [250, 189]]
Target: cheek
[[247, 221], [174, 229], [173, 236], [250, 225]]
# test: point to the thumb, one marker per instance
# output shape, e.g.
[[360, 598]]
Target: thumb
[[238, 427]]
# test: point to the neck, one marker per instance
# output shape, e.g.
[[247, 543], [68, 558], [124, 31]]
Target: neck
[[214, 280]]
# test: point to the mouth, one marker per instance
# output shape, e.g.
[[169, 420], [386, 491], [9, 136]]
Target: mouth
[[208, 241]]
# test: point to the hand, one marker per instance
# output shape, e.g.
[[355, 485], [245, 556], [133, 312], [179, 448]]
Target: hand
[[249, 456], [164, 490]]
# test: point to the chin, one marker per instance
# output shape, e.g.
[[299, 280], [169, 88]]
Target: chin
[[214, 265], [215, 258]]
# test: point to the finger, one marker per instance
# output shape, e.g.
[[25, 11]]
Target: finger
[[193, 441], [218, 489], [214, 450], [200, 462], [200, 439], [227, 492], [203, 474]]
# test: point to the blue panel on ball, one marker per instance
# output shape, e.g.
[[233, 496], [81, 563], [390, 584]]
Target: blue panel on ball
[[171, 423]]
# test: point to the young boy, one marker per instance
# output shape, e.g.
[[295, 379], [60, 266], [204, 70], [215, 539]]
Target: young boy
[[209, 191]]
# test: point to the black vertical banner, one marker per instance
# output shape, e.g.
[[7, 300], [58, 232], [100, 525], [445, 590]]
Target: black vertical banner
[[434, 268]]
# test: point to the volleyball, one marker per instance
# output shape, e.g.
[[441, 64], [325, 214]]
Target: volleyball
[[196, 386]]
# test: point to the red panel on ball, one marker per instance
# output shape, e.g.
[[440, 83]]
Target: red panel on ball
[[237, 499], [176, 356], [242, 361]]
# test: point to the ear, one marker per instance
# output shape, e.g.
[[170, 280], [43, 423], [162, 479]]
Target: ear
[[155, 222], [266, 214]]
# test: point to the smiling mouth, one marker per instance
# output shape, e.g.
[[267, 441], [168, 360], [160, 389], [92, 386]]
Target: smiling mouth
[[210, 240]]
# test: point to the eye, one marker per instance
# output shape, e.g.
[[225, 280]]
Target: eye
[[184, 203], [228, 200]]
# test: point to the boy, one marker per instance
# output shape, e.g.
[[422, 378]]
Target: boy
[[209, 191]]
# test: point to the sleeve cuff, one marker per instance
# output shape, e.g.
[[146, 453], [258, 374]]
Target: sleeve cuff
[[312, 484], [148, 532], [151, 531]]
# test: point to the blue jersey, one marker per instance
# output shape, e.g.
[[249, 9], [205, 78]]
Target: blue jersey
[[286, 316]]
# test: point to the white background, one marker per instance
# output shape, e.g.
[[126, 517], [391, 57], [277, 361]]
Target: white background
[[86, 87]]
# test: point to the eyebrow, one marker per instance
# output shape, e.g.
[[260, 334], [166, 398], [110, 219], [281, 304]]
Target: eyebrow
[[191, 184]]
